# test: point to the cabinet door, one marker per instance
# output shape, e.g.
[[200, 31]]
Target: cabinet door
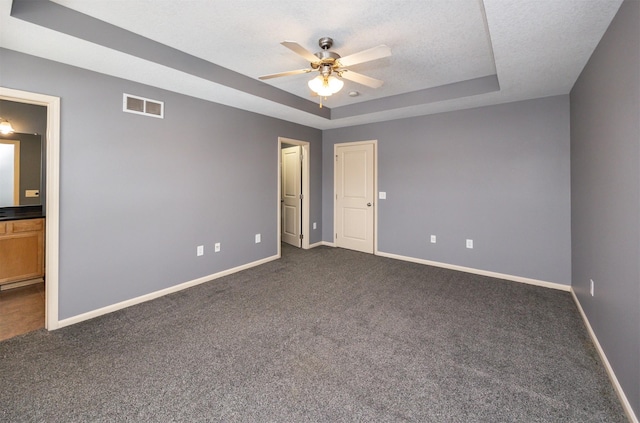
[[22, 252]]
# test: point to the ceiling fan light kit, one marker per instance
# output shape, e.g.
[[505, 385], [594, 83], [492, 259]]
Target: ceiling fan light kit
[[325, 87], [332, 67]]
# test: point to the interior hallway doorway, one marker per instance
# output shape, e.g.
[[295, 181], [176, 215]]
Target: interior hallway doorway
[[293, 193]]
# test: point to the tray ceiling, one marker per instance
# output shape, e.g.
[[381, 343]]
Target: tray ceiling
[[447, 54]]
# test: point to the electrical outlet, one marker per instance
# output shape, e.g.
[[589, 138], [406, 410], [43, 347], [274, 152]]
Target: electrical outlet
[[315, 225], [257, 238], [469, 243], [200, 250], [591, 288], [433, 239], [216, 247]]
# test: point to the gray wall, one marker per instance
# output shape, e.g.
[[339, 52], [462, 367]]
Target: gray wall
[[138, 194], [498, 175], [28, 119], [605, 201]]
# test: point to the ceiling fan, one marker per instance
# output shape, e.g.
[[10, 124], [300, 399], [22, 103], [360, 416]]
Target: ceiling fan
[[330, 64]]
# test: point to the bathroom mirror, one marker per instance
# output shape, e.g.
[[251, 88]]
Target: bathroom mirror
[[20, 170]]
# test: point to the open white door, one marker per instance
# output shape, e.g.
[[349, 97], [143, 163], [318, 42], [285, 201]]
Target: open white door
[[291, 195], [354, 206]]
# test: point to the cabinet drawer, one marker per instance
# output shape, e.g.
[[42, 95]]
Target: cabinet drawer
[[30, 225], [21, 257]]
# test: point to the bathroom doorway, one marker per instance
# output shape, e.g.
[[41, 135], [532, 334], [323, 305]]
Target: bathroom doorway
[[49, 292]]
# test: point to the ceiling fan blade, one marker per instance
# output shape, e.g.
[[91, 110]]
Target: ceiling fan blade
[[361, 79], [278, 75], [298, 49], [374, 53]]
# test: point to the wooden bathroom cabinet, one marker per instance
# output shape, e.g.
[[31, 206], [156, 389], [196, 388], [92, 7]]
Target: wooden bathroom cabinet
[[21, 250]]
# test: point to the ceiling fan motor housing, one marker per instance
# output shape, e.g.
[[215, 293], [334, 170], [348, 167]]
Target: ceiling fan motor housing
[[328, 59], [327, 56]]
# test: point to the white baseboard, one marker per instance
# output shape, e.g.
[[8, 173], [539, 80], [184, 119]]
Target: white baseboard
[[153, 295], [552, 285], [614, 380]]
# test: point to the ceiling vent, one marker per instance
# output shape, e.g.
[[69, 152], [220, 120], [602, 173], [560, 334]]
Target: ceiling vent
[[142, 106]]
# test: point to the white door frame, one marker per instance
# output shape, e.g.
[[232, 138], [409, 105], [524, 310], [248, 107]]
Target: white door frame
[[375, 189], [305, 190], [52, 140]]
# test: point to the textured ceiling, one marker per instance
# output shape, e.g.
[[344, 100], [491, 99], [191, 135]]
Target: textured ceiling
[[536, 48]]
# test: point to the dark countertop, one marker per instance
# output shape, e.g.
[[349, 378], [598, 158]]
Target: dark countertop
[[22, 212]]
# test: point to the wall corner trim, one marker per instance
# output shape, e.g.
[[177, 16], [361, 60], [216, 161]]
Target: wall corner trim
[[612, 376], [161, 293], [529, 281]]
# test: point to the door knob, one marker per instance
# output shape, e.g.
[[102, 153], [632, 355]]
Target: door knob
[[368, 204]]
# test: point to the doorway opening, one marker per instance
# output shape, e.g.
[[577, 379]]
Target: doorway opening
[[293, 181], [52, 140]]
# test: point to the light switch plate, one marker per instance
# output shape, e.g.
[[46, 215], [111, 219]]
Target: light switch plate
[[382, 195], [257, 238]]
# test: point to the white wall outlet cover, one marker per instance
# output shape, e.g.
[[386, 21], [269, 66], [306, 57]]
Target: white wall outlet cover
[[469, 243], [315, 225], [216, 247], [257, 238], [433, 239], [200, 250], [382, 195]]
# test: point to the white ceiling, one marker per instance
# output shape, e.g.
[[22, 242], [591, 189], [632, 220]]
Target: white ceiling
[[536, 48]]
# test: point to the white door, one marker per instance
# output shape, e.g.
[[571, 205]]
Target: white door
[[354, 176], [291, 195]]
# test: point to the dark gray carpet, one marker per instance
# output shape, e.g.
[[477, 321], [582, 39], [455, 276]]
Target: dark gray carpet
[[320, 335]]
